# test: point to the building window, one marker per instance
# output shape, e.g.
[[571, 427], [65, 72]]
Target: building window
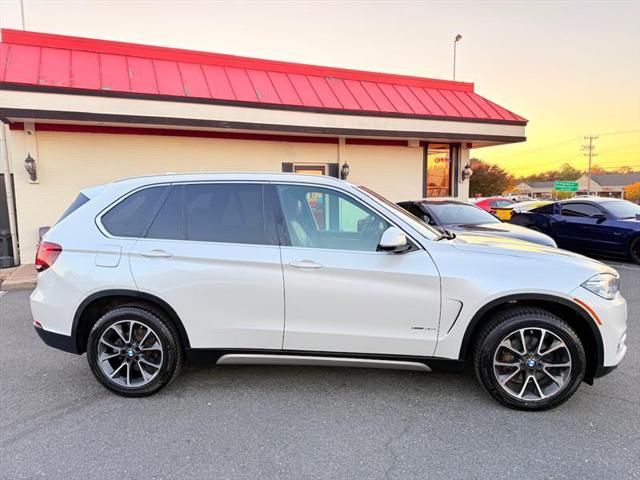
[[310, 169], [440, 167]]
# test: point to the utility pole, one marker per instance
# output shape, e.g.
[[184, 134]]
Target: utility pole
[[589, 148]]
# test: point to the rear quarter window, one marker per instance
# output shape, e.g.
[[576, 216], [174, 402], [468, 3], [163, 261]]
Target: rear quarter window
[[131, 216]]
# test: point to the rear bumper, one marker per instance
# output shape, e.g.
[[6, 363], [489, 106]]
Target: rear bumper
[[56, 340]]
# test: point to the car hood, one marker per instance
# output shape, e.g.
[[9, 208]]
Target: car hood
[[496, 245], [505, 230]]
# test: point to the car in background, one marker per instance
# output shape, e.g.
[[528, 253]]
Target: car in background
[[605, 226], [505, 213], [460, 217], [528, 205], [494, 205], [516, 197]]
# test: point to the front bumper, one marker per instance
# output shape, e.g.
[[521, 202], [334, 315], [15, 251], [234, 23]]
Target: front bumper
[[610, 322], [56, 340], [602, 371]]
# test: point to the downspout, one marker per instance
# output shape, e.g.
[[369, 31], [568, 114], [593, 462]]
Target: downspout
[[4, 156]]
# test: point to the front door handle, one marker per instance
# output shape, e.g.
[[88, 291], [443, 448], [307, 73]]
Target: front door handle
[[156, 254], [306, 264]]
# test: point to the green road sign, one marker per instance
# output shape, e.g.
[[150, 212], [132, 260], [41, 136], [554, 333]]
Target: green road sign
[[566, 186]]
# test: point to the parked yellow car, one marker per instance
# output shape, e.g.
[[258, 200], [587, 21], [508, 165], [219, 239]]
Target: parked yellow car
[[504, 213]]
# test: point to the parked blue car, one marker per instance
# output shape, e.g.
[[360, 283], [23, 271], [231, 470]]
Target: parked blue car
[[603, 226]]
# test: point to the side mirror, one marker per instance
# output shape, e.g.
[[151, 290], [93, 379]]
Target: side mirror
[[393, 240]]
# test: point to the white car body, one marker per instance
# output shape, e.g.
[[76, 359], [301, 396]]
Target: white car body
[[237, 297]]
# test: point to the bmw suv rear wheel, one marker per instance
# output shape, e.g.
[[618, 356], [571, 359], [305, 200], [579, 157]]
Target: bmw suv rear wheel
[[529, 359], [134, 351]]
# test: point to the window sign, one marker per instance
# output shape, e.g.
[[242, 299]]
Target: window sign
[[438, 170]]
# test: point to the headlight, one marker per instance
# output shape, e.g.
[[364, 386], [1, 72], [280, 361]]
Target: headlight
[[604, 285]]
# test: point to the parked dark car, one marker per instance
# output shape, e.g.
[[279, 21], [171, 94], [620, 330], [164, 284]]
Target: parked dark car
[[605, 226], [461, 217]]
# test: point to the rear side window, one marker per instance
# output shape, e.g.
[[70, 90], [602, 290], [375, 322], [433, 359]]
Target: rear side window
[[80, 200], [132, 216], [169, 223], [547, 209], [229, 213]]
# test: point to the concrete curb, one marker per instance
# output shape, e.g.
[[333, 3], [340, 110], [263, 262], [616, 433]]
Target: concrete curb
[[22, 277]]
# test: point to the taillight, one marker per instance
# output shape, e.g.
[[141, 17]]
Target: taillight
[[48, 253]]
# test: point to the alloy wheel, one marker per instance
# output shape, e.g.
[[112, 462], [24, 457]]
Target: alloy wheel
[[532, 364], [130, 353]]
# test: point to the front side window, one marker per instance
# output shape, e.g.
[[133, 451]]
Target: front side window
[[130, 217], [579, 210], [322, 218], [438, 170]]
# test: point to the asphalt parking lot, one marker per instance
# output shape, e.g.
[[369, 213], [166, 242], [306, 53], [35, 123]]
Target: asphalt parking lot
[[252, 422]]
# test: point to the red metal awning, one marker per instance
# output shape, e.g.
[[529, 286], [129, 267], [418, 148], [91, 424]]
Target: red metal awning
[[46, 62]]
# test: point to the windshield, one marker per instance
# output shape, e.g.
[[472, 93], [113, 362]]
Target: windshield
[[622, 208], [429, 232], [460, 214]]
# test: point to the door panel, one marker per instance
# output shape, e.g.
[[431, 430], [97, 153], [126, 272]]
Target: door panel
[[579, 227], [342, 295], [365, 302], [227, 296], [211, 253]]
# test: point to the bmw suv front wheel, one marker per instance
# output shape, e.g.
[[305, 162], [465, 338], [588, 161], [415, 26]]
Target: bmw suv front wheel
[[134, 350], [529, 359]]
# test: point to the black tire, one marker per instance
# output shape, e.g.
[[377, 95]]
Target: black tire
[[172, 353], [506, 323], [634, 250]]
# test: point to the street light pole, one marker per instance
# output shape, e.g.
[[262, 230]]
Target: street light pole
[[455, 42]]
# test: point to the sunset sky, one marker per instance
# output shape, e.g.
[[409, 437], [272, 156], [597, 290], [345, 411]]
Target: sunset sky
[[571, 68]]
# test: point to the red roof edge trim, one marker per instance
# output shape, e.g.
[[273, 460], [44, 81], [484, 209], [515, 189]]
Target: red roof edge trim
[[193, 56]]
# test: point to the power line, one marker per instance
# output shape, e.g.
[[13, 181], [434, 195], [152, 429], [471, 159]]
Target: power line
[[563, 142], [619, 132]]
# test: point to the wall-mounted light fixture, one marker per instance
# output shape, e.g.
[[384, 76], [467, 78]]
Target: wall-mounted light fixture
[[466, 173], [30, 167], [344, 171]]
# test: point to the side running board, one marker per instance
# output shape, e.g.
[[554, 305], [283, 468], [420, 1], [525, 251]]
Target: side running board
[[261, 359]]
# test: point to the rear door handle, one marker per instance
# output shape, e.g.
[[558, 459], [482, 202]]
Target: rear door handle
[[156, 254], [306, 264]]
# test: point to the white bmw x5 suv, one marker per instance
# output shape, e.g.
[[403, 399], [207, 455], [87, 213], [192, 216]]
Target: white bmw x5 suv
[[145, 273]]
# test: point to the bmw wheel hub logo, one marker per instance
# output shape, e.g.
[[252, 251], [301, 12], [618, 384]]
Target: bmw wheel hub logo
[[531, 363]]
